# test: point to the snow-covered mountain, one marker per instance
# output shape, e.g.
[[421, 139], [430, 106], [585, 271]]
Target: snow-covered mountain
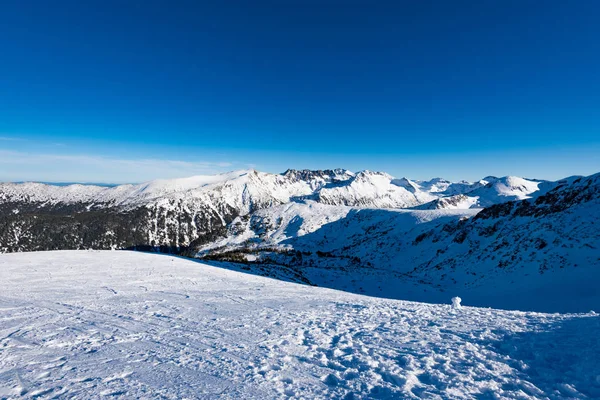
[[548, 245], [373, 189], [397, 237], [172, 213], [177, 213], [250, 189], [238, 188], [486, 192]]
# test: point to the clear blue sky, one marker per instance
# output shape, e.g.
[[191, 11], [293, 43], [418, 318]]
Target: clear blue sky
[[129, 90]]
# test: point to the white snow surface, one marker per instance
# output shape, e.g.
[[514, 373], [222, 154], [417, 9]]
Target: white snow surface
[[91, 324], [505, 189], [245, 190], [293, 220], [234, 188], [376, 190]]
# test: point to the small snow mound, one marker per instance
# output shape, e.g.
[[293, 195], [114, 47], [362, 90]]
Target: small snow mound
[[456, 303], [330, 380]]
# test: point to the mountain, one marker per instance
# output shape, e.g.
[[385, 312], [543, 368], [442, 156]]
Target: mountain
[[372, 189], [487, 192], [543, 251], [177, 213], [170, 213], [364, 232]]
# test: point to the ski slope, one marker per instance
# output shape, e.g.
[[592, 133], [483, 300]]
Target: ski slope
[[91, 324]]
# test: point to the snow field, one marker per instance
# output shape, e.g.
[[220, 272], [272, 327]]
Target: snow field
[[79, 324]]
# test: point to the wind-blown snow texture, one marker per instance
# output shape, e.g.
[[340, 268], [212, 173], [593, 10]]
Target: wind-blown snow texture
[[94, 324]]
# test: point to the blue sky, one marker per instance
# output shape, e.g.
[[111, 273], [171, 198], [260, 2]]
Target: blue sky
[[126, 91]]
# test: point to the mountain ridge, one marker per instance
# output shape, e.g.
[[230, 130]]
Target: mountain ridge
[[320, 227]]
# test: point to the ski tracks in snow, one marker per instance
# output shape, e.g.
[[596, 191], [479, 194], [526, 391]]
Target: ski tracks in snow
[[108, 328]]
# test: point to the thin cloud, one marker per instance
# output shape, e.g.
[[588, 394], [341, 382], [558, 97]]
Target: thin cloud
[[17, 165]]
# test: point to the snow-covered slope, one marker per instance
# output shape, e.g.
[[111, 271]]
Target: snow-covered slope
[[133, 325], [373, 189], [505, 189], [174, 213], [238, 188], [343, 230], [536, 254], [484, 193], [459, 201], [184, 213], [45, 193], [251, 189]]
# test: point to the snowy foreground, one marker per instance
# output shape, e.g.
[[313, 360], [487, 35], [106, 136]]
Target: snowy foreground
[[78, 324]]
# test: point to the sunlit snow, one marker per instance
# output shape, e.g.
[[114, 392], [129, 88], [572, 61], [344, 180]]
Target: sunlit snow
[[88, 324]]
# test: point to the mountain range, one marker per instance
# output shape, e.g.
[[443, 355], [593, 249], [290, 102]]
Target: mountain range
[[504, 242]]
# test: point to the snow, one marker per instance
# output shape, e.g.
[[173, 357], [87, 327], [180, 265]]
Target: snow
[[374, 189], [407, 254], [246, 189], [456, 202], [505, 189], [90, 324], [456, 303], [161, 187], [539, 263], [302, 224]]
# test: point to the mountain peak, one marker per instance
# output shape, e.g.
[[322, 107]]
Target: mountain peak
[[406, 184]]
